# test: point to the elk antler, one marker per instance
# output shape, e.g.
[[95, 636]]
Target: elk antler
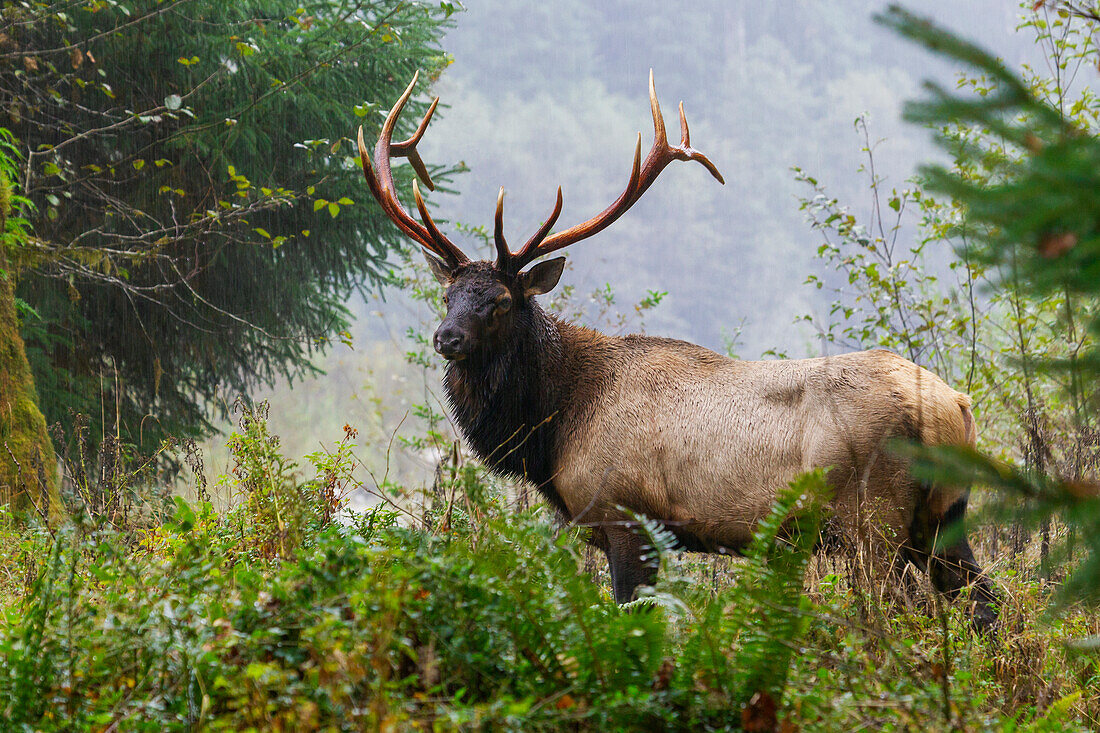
[[382, 186], [641, 177]]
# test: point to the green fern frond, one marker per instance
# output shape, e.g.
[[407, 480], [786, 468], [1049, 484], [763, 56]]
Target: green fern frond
[[767, 613]]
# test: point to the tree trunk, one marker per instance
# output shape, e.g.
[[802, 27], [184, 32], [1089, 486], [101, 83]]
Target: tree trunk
[[28, 467]]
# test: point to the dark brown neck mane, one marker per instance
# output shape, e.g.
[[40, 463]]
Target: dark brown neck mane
[[508, 402]]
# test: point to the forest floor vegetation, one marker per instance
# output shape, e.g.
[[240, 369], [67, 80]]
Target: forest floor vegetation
[[287, 612]]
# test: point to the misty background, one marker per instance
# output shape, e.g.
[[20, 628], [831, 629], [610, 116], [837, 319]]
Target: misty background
[[553, 93]]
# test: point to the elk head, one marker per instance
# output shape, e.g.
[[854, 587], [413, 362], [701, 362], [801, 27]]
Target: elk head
[[486, 300]]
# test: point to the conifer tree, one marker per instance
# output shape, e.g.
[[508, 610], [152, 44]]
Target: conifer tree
[[1036, 220], [201, 221]]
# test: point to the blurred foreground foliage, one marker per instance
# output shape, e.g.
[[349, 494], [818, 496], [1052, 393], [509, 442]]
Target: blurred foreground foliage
[[1017, 211], [1032, 218]]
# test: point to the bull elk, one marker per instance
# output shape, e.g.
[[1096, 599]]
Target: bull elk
[[607, 427]]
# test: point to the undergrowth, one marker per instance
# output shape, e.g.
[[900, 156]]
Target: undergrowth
[[287, 613], [276, 614]]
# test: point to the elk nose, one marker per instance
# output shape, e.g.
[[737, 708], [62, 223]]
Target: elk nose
[[450, 342]]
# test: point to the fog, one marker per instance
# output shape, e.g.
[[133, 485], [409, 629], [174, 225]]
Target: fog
[[553, 93]]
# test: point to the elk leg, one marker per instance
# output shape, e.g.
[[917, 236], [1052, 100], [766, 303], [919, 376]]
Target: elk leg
[[953, 568], [626, 553]]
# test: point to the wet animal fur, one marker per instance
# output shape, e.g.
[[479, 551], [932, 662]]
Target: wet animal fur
[[678, 433]]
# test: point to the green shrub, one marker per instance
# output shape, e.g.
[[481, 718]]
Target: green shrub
[[273, 615]]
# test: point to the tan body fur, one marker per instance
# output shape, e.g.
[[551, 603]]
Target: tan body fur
[[682, 434], [609, 427]]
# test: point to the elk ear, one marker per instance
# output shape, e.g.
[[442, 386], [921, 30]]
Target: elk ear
[[439, 269], [542, 277]]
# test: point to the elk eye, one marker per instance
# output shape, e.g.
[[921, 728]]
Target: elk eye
[[504, 304]]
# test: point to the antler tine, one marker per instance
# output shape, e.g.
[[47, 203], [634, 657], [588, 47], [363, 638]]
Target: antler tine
[[380, 180], [660, 139], [433, 230], [686, 152], [407, 148], [642, 177], [685, 133], [405, 223], [503, 254], [538, 236], [636, 169]]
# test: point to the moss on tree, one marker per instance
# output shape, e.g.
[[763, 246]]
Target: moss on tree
[[28, 467]]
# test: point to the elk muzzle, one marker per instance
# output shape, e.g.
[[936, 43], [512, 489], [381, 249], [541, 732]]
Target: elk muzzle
[[451, 341]]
